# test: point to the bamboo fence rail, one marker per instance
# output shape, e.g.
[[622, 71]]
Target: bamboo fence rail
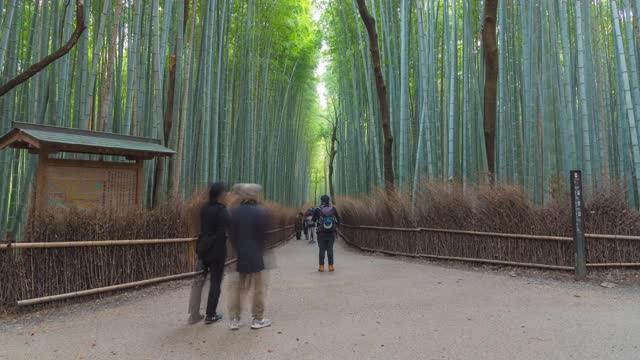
[[538, 251], [36, 245]]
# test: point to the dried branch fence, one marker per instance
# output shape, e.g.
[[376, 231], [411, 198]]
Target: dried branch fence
[[539, 251], [38, 272]]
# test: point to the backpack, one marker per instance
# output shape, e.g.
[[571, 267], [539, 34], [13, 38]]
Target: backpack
[[309, 221], [328, 219]]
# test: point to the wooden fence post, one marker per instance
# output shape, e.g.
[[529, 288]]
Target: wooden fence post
[[9, 237], [578, 224]]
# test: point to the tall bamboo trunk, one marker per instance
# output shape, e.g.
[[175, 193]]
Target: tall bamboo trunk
[[369, 23], [490, 46]]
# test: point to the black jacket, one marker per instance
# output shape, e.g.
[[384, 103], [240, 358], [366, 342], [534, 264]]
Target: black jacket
[[248, 233], [212, 242]]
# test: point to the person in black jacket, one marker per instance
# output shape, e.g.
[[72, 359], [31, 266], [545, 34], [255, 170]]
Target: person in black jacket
[[248, 232], [211, 248], [299, 225], [327, 220]]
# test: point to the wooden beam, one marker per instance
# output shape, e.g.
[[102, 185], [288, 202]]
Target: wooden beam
[[41, 182], [139, 182], [92, 163], [18, 139], [98, 150]]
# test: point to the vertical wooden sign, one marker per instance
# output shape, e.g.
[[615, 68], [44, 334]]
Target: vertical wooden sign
[[577, 204]]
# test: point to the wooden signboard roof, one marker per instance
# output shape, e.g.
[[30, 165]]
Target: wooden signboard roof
[[52, 138]]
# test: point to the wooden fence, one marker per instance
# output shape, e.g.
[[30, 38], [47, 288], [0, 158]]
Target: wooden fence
[[549, 252], [34, 273]]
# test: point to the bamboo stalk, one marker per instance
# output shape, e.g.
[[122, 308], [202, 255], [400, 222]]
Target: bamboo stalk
[[103, 289], [612, 237], [508, 236], [108, 242], [614, 265], [93, 243], [388, 228], [480, 233]]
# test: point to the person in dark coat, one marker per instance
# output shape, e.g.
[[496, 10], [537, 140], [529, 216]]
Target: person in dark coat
[[248, 233], [327, 220], [299, 225], [211, 248]]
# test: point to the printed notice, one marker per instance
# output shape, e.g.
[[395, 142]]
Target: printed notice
[[91, 187]]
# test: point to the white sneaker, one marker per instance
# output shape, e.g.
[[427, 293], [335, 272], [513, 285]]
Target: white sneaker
[[259, 324], [234, 324]]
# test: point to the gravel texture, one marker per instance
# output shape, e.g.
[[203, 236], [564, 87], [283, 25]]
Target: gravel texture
[[372, 307]]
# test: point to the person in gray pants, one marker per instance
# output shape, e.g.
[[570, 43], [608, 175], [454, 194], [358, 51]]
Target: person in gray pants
[[211, 248]]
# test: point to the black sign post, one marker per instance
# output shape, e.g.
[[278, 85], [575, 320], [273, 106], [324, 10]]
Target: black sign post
[[578, 224]]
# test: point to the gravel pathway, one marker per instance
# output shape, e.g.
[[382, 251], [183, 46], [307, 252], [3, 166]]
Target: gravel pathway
[[372, 307]]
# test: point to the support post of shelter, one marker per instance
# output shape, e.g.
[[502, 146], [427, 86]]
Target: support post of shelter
[[40, 197], [140, 182]]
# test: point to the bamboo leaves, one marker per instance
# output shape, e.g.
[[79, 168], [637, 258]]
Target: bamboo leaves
[[563, 76], [241, 75]]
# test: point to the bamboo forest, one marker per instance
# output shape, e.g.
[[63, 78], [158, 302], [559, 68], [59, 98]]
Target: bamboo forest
[[294, 94]]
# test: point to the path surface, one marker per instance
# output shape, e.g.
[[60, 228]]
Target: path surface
[[372, 308]]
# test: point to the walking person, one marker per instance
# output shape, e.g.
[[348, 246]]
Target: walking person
[[248, 229], [327, 220], [211, 248], [299, 225], [310, 226]]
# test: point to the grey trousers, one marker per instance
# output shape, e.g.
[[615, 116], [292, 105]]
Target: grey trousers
[[216, 272], [311, 233]]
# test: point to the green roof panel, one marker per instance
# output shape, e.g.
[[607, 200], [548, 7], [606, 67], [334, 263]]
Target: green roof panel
[[94, 141], [81, 141]]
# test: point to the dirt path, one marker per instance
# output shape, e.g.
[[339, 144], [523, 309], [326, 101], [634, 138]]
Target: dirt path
[[371, 308]]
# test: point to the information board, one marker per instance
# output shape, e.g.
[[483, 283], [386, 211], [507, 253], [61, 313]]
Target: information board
[[89, 187]]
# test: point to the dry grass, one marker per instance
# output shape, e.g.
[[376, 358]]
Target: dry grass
[[501, 210], [31, 273]]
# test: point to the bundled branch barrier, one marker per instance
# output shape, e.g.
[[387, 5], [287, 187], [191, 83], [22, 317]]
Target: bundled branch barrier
[[495, 226], [73, 251], [550, 252]]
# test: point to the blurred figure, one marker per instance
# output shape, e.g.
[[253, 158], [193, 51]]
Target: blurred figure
[[211, 248], [299, 225], [248, 229], [309, 225], [327, 219]]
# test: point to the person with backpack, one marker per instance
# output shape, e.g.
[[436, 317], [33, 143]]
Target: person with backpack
[[211, 248], [327, 220], [310, 225]]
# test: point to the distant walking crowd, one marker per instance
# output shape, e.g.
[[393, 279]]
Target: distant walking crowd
[[246, 226]]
